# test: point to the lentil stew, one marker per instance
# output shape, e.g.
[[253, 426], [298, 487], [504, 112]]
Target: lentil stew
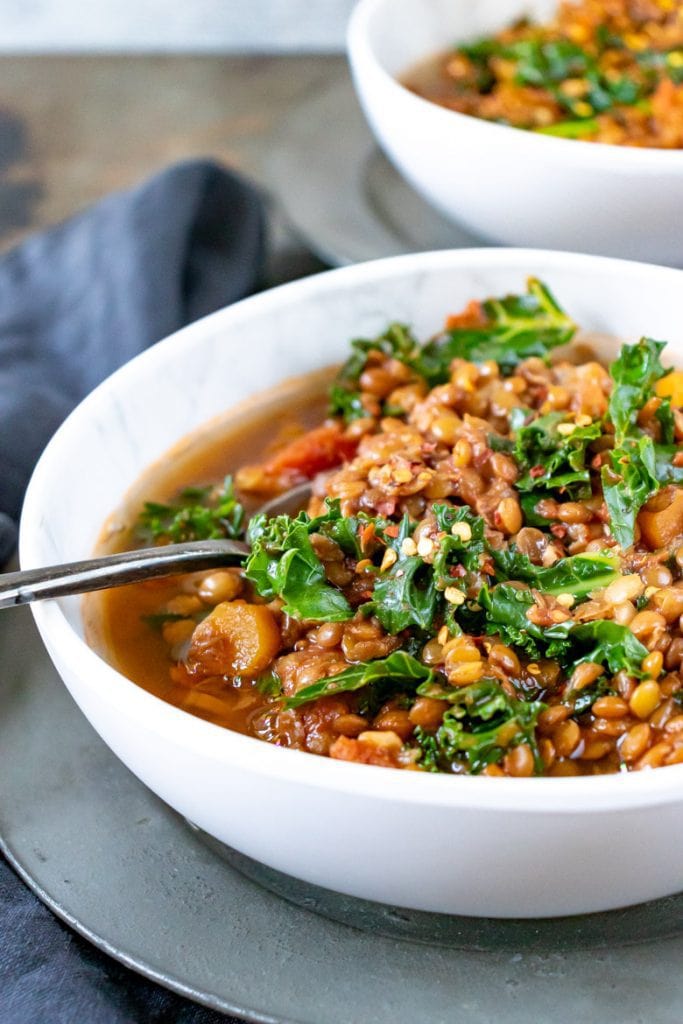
[[489, 575], [606, 71]]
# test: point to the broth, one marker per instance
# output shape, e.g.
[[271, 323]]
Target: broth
[[117, 620]]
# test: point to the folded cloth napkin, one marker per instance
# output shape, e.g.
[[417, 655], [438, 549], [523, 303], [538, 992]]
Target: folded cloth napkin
[[75, 303], [83, 298]]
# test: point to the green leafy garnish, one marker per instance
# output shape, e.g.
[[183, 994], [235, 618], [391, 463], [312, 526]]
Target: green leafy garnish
[[346, 402], [575, 129], [282, 563], [550, 460], [517, 327], [453, 550], [608, 643], [634, 374], [602, 641], [632, 475], [396, 342], [577, 575], [199, 513], [547, 64], [628, 481], [481, 724], [399, 668], [405, 595]]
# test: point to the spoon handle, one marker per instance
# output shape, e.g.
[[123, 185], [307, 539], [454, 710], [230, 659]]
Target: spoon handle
[[114, 570]]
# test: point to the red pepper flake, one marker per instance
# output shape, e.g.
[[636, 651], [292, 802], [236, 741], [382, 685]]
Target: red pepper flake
[[596, 461], [391, 531], [558, 530], [457, 571], [536, 471]]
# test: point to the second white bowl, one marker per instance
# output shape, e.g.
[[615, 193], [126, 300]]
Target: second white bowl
[[505, 184]]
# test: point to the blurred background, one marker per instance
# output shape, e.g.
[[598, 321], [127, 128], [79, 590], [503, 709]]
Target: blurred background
[[207, 26], [95, 96]]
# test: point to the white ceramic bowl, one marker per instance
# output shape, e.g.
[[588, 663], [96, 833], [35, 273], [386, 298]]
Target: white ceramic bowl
[[502, 183], [468, 845]]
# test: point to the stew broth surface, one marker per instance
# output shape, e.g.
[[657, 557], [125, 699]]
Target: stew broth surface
[[117, 620]]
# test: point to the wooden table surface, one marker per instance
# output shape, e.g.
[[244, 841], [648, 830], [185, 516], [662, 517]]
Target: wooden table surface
[[75, 128]]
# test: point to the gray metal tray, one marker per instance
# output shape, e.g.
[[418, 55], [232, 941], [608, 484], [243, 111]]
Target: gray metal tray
[[133, 878], [341, 194]]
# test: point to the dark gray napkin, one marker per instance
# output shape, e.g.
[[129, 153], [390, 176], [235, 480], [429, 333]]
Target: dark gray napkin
[[83, 298], [75, 303]]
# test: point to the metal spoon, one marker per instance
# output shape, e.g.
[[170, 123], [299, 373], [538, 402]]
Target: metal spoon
[[133, 566]]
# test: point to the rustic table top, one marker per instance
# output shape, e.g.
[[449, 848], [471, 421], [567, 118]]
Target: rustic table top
[[75, 128]]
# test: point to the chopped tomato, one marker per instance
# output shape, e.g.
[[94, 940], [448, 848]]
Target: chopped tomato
[[313, 452], [473, 315]]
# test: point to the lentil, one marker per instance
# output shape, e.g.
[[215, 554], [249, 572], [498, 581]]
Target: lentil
[[431, 513]]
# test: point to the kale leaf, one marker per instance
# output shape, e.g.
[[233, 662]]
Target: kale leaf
[[577, 575], [608, 643], [634, 374], [481, 724], [399, 668], [396, 342], [346, 402], [516, 327], [550, 460], [453, 549], [582, 701], [630, 477], [405, 595], [664, 414], [199, 513], [602, 641], [343, 530], [505, 608], [409, 594], [282, 563]]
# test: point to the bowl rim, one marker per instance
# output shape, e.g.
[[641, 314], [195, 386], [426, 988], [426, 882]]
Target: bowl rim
[[648, 159], [568, 795]]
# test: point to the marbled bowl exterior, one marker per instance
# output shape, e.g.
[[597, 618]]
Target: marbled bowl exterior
[[466, 845], [504, 184]]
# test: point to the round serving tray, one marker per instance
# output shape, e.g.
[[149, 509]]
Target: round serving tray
[[133, 878], [341, 194]]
